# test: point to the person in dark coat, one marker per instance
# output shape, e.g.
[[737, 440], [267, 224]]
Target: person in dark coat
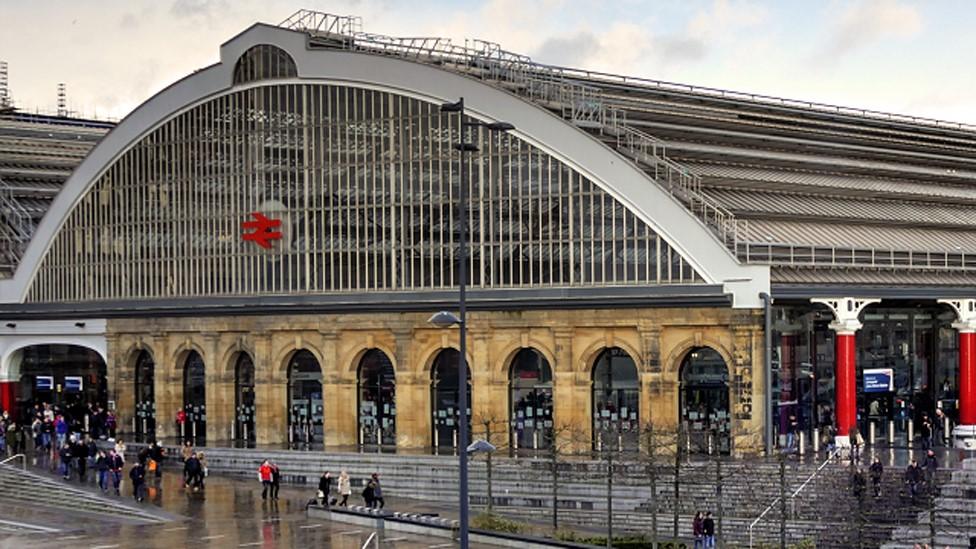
[[377, 491], [368, 494], [708, 529], [930, 465], [275, 480], [193, 472], [325, 487], [102, 465], [80, 453], [858, 483], [67, 455], [138, 476], [877, 470], [913, 475]]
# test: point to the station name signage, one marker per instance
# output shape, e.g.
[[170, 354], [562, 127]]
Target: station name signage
[[879, 380]]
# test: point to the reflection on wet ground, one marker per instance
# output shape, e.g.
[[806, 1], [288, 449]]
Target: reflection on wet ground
[[227, 513]]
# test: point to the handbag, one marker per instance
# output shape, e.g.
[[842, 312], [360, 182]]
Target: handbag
[[320, 494]]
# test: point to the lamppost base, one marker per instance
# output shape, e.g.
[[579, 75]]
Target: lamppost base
[[964, 437]]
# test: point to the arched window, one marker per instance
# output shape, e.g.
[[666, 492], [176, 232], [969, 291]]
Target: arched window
[[244, 400], [145, 397], [195, 398], [264, 62], [377, 400], [444, 398], [705, 401], [530, 389], [306, 413], [616, 401]]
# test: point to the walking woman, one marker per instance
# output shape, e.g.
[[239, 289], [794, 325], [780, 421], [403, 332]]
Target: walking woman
[[345, 490]]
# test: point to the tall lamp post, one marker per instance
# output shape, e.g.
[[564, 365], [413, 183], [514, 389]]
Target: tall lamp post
[[446, 319]]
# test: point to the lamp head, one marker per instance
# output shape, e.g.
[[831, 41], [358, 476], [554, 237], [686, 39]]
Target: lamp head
[[444, 319]]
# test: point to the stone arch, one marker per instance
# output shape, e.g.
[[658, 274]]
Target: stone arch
[[501, 368], [430, 353], [592, 351], [283, 357], [349, 362], [228, 359], [705, 401], [131, 353], [182, 351], [672, 366]]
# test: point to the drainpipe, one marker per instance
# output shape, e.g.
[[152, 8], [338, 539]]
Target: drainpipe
[[768, 374]]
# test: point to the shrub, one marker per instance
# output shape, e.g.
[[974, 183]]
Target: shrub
[[497, 523]]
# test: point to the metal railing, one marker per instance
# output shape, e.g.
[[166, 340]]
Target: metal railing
[[21, 457], [801, 255], [16, 229], [372, 539], [792, 497]]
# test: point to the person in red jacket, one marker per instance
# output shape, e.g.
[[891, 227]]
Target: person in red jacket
[[264, 476]]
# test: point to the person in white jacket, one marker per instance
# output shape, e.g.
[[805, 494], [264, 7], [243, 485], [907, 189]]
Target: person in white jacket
[[345, 490]]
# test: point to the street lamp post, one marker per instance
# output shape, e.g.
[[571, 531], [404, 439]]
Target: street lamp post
[[444, 319]]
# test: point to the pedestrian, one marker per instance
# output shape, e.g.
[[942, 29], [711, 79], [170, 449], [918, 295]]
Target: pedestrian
[[264, 477], [157, 453], [120, 449], [368, 494], [204, 471], [791, 430], [925, 430], [698, 530], [186, 451], [930, 466], [877, 470], [192, 472], [377, 492], [115, 466], [80, 455], [102, 465], [275, 480], [708, 530], [913, 476], [345, 489], [110, 423], [138, 476], [325, 488], [858, 483], [856, 441], [938, 425], [66, 455]]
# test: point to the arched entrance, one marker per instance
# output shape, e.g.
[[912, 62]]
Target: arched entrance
[[377, 400], [195, 399], [306, 413], [68, 378], [145, 397], [616, 401], [244, 401], [444, 397], [705, 401], [530, 398]]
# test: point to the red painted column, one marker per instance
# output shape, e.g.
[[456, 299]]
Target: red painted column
[[967, 378], [8, 397], [845, 378]]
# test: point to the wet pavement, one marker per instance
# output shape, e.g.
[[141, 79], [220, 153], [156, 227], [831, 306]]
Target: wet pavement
[[227, 513]]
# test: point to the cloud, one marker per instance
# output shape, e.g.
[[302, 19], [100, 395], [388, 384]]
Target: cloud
[[198, 8], [724, 17], [868, 21], [128, 21], [569, 51]]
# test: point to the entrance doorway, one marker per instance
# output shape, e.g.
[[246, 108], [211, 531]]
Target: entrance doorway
[[145, 393], [69, 378], [377, 400], [530, 386], [195, 399], [616, 401], [705, 401], [306, 414], [244, 402], [444, 396]]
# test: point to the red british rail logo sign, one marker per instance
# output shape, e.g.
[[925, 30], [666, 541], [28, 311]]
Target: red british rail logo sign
[[264, 230]]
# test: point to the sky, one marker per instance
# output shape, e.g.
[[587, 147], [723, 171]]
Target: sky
[[901, 56]]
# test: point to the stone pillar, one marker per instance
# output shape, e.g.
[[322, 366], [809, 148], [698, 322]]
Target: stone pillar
[[270, 395], [965, 433], [564, 388], [168, 390], [650, 375], [219, 390], [846, 311], [412, 395]]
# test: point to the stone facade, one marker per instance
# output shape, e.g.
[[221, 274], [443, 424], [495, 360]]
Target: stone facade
[[658, 339]]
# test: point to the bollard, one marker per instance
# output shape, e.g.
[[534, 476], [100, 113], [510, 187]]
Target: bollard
[[871, 432], [437, 438], [455, 439], [86, 423], [194, 431], [233, 431], [134, 425], [245, 433], [816, 440], [535, 440], [709, 444], [620, 443], [891, 432], [911, 433], [379, 437], [803, 436], [945, 431], [145, 428], [291, 435], [515, 440], [362, 435]]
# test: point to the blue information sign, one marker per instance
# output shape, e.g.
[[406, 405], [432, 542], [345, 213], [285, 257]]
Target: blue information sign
[[72, 384], [879, 380], [44, 383]]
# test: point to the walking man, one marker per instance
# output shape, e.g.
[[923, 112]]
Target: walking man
[[275, 480], [876, 471], [138, 476], [264, 477], [377, 492], [115, 466], [708, 528]]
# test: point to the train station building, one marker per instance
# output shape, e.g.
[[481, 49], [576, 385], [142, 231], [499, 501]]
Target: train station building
[[261, 245]]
